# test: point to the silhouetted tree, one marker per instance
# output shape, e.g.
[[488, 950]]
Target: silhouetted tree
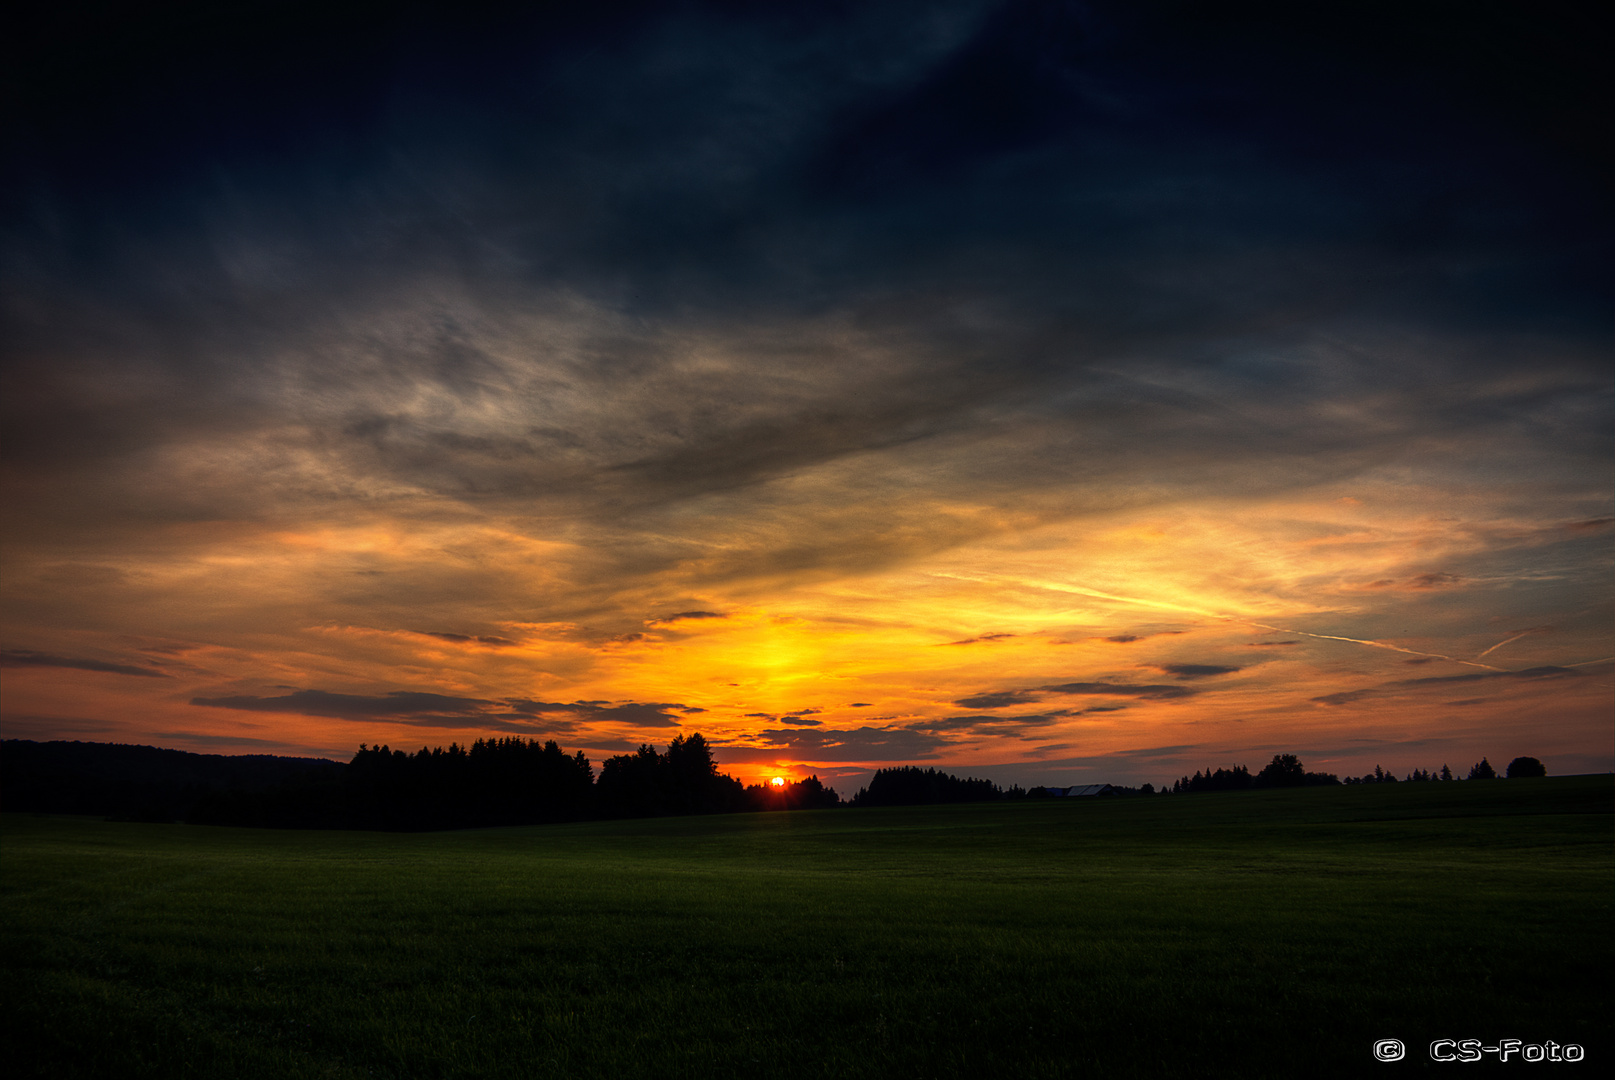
[[808, 794], [1482, 771], [1285, 770], [911, 785], [1446, 773], [1236, 779], [631, 785], [1522, 767]]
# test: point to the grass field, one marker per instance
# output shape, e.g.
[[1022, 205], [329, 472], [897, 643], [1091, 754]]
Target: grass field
[[1266, 933]]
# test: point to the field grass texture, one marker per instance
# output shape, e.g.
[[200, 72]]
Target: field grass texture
[[1273, 933]]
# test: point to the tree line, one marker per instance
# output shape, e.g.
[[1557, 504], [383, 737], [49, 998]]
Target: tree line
[[1286, 770], [500, 781], [513, 781]]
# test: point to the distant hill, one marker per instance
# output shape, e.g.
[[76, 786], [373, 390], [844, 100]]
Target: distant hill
[[144, 782]]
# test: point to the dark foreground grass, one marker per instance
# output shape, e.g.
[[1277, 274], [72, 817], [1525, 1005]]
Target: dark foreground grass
[[1270, 933]]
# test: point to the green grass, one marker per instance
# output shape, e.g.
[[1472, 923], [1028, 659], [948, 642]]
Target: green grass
[[1269, 933]]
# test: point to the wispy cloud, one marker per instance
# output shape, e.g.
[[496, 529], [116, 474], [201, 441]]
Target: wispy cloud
[[1546, 672], [29, 658]]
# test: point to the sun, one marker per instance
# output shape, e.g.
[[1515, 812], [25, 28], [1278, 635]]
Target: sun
[[778, 781]]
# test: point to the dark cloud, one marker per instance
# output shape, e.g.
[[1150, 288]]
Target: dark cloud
[[1432, 580], [410, 706], [800, 718], [1122, 639], [1527, 675], [1344, 697], [1017, 727], [29, 658], [635, 714], [398, 704], [998, 700], [223, 741], [1148, 693], [467, 639], [1547, 671], [690, 615], [1195, 671], [981, 638], [1270, 644], [856, 744]]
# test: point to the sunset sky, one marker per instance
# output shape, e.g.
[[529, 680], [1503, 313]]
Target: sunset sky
[[1055, 393]]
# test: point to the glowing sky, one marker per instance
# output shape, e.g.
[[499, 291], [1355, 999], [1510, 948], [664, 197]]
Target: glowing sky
[[1055, 393]]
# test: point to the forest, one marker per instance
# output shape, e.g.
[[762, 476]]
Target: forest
[[501, 781]]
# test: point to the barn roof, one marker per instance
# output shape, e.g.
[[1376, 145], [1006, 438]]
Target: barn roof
[[1087, 789]]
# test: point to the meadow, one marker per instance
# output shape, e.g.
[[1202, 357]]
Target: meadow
[[1267, 933]]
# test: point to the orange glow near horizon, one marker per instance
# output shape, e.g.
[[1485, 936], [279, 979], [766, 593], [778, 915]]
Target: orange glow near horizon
[[1240, 627], [1128, 645]]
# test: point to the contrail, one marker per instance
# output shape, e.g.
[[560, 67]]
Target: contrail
[[1083, 591], [1376, 644], [1164, 605], [1516, 637]]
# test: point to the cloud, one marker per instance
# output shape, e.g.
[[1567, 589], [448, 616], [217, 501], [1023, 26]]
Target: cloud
[[1016, 727], [1418, 582], [28, 658], [411, 706], [1145, 692], [800, 718], [998, 700], [1195, 671], [398, 704], [1344, 697], [855, 744], [654, 714], [223, 741], [689, 615], [467, 639], [1545, 672], [983, 637]]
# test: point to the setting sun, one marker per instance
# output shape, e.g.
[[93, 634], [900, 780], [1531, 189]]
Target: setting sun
[[778, 781]]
